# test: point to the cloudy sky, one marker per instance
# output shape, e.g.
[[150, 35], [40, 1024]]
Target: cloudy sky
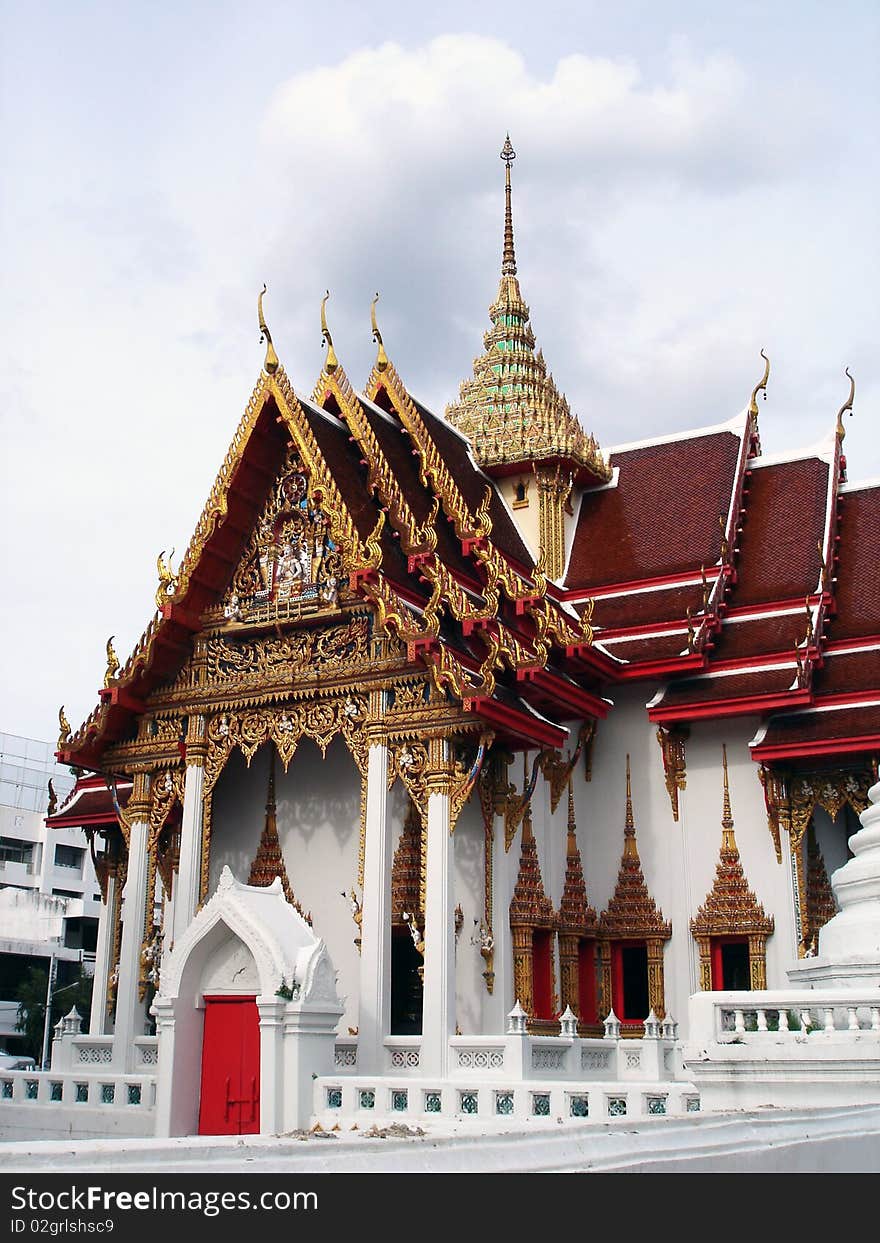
[[694, 181]]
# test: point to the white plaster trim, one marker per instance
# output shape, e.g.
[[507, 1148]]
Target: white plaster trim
[[735, 426], [860, 485]]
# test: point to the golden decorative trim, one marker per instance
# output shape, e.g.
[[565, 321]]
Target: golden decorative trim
[[64, 729], [112, 664], [632, 913], [672, 746], [821, 905], [846, 407], [268, 862]]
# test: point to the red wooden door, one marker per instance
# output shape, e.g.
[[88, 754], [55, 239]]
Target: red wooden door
[[230, 1098]]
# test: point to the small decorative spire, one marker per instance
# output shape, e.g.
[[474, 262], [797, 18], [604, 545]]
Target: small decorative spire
[[112, 663], [270, 365], [629, 825], [572, 827], [381, 357], [729, 841], [761, 386], [53, 800], [847, 406], [508, 261], [331, 362], [64, 725], [706, 592], [811, 631]]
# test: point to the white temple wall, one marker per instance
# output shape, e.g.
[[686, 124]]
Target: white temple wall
[[832, 836], [469, 879], [318, 817]]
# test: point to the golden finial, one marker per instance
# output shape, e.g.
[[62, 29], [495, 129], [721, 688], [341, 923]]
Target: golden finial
[[705, 589], [629, 824], [112, 663], [760, 386], [808, 637], [53, 800], [381, 357], [729, 841], [691, 632], [847, 406], [508, 261], [331, 362], [64, 724], [572, 827], [725, 542], [373, 544], [270, 365], [823, 565], [167, 580]]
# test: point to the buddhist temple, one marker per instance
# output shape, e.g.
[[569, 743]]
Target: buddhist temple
[[420, 753]]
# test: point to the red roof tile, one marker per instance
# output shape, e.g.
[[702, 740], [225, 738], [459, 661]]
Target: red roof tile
[[643, 608], [662, 517], [857, 593], [785, 509], [816, 727], [845, 672], [760, 636], [730, 686]]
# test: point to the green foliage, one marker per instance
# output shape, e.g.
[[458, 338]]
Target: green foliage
[[285, 992], [31, 998]]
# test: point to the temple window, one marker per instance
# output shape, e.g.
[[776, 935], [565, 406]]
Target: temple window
[[520, 494]]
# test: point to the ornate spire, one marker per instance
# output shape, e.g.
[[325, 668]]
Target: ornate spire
[[511, 410], [575, 912], [731, 908], [632, 911], [728, 840], [508, 259], [269, 861], [530, 906]]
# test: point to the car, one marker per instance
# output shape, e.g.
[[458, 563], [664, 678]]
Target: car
[[15, 1061]]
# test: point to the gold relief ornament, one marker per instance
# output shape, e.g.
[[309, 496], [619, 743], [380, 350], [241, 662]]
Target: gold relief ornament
[[381, 356], [167, 580], [847, 407], [760, 387], [331, 362], [357, 913], [112, 664], [672, 747], [64, 729]]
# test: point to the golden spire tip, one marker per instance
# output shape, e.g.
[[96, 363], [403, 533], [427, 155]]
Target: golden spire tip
[[508, 259], [270, 365], [761, 386], [381, 357], [847, 406], [726, 814], [629, 826], [331, 362]]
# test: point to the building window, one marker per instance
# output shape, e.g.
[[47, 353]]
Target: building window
[[334, 1098], [14, 851], [69, 857], [134, 1094], [629, 964], [730, 965], [520, 494], [367, 1098], [108, 1093], [468, 1102], [616, 1106], [400, 1101], [55, 1090], [82, 1093], [432, 1102], [504, 1103]]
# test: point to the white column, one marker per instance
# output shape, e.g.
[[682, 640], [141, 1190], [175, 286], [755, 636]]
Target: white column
[[438, 1012], [130, 1012], [188, 881], [374, 1003], [103, 952], [498, 1005]]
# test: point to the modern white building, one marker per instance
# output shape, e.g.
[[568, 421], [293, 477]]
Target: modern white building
[[50, 901]]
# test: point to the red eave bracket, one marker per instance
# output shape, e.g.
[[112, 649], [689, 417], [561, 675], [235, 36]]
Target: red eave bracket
[[585, 656], [564, 693], [693, 663], [540, 733], [731, 707], [120, 697], [795, 750], [181, 616]]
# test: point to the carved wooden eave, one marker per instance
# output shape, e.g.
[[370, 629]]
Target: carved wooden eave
[[792, 797]]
